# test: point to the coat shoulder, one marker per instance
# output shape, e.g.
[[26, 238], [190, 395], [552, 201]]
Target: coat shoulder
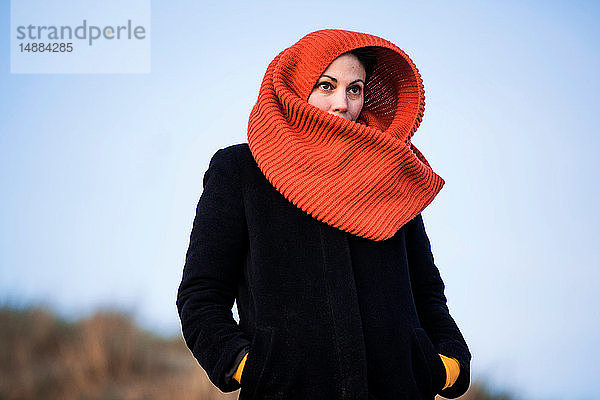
[[241, 155], [238, 155], [240, 151], [232, 156], [237, 159]]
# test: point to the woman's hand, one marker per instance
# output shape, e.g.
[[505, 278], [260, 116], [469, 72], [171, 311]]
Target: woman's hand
[[238, 373], [452, 370]]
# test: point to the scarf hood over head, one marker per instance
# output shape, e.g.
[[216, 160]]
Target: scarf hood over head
[[364, 177]]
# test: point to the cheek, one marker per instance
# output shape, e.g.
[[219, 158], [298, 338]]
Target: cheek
[[318, 101], [356, 109]]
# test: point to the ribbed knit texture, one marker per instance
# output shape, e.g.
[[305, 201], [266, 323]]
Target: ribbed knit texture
[[364, 177]]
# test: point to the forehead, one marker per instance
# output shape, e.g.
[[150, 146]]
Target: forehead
[[346, 64]]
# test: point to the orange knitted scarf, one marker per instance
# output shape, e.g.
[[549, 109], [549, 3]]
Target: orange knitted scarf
[[364, 177]]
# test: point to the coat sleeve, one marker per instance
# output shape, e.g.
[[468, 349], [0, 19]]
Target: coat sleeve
[[213, 264], [428, 292]]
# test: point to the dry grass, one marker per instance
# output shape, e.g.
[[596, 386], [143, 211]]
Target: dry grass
[[104, 357]]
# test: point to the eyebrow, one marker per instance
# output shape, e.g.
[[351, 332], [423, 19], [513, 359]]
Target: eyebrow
[[335, 80]]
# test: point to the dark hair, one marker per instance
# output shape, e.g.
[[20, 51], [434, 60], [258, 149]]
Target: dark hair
[[366, 56]]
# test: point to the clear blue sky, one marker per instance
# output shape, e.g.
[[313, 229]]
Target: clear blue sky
[[101, 174]]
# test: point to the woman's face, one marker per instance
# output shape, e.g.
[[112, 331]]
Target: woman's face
[[340, 89]]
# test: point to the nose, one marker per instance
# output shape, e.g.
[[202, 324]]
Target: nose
[[340, 102]]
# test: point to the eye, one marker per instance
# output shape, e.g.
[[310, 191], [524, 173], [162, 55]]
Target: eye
[[325, 85], [356, 89]]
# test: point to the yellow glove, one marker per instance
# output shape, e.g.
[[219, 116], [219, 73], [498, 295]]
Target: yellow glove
[[452, 370], [238, 372]]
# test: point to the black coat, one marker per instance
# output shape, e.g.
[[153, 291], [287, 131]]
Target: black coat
[[325, 314]]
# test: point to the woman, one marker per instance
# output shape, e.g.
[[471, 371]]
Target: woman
[[314, 227]]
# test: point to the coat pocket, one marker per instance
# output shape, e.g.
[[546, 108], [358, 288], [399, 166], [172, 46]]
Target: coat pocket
[[258, 356], [428, 362]]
